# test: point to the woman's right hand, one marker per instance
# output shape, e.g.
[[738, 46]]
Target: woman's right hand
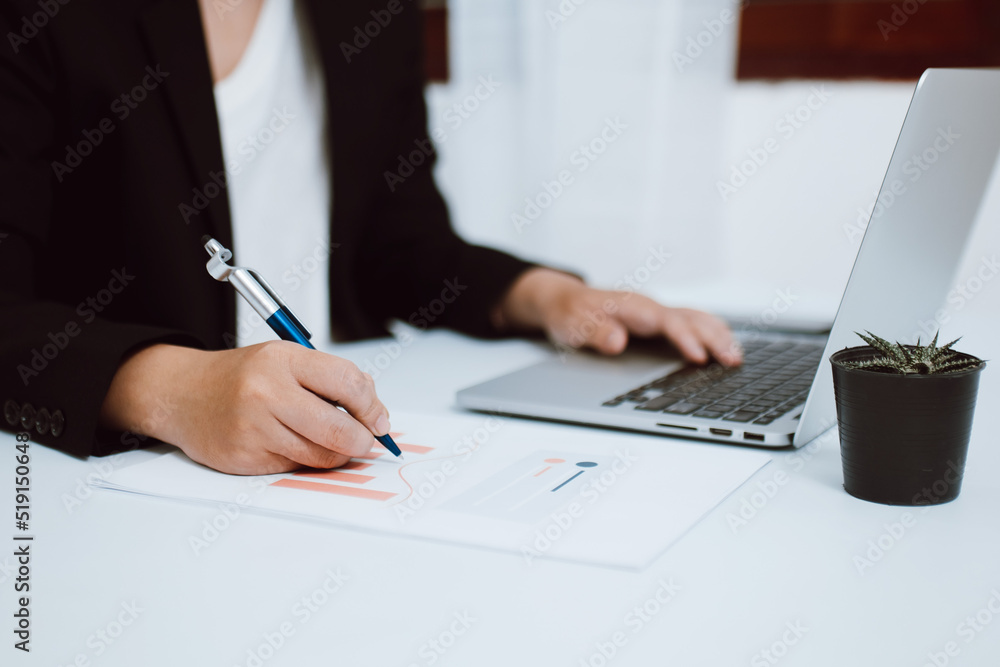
[[248, 411]]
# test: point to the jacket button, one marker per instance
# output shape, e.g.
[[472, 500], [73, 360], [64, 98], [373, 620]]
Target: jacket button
[[42, 421], [57, 423], [12, 412], [27, 416]]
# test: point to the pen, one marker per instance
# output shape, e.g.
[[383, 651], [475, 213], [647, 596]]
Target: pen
[[266, 302]]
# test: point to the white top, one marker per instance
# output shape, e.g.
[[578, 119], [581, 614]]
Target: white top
[[272, 118]]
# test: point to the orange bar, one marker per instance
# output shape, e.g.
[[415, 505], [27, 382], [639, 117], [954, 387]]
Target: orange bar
[[336, 476], [372, 454], [355, 465], [334, 488], [395, 434], [415, 449]]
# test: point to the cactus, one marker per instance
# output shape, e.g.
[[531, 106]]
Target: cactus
[[914, 359]]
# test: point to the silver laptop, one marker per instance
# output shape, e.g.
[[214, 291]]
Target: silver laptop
[[783, 393]]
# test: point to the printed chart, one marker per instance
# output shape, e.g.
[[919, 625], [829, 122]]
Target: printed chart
[[377, 476], [553, 492], [530, 489]]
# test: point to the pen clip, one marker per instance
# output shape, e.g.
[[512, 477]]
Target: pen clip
[[240, 276], [219, 255]]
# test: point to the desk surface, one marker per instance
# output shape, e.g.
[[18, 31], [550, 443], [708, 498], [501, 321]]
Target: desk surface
[[115, 581]]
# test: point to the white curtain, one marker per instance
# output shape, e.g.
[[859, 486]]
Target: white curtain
[[606, 116]]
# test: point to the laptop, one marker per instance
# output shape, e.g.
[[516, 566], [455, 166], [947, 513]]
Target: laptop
[[782, 395]]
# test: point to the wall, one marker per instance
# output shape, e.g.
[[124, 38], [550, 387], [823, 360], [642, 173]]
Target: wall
[[783, 224]]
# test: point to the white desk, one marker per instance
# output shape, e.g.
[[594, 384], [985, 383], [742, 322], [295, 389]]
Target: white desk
[[792, 563]]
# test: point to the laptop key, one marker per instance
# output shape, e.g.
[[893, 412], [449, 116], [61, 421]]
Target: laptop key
[[683, 408], [665, 384], [696, 385], [657, 404], [741, 416]]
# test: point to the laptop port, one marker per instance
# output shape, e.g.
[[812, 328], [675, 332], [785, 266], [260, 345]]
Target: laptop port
[[753, 436], [686, 428], [720, 431]]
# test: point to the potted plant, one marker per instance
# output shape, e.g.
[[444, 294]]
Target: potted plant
[[905, 416]]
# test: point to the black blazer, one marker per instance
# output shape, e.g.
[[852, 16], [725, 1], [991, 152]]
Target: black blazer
[[110, 167]]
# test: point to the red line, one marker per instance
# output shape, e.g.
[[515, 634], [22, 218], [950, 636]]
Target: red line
[[416, 449], [367, 494], [542, 470], [401, 468], [336, 476], [405, 481]]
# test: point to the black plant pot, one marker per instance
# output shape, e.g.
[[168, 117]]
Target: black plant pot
[[903, 438]]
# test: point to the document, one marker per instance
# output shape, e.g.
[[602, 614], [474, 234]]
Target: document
[[541, 491]]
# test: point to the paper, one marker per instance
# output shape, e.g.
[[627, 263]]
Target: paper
[[538, 490], [532, 488]]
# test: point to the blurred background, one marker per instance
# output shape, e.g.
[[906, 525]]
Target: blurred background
[[746, 139]]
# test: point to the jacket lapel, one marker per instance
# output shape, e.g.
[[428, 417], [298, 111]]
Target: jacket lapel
[[174, 35], [323, 17], [344, 144]]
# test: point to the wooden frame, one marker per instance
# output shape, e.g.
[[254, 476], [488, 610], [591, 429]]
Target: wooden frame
[[893, 39], [435, 40]]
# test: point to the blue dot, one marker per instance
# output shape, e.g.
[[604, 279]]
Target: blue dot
[[586, 464]]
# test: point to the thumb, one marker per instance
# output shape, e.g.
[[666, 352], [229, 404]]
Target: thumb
[[611, 337]]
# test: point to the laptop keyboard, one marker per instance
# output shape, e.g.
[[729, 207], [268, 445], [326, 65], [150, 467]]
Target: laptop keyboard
[[775, 377]]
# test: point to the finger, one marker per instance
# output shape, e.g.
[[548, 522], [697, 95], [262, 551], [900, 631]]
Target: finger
[[247, 462], [318, 422], [268, 464], [594, 329], [608, 337], [717, 337], [342, 381], [677, 328], [643, 316], [288, 444]]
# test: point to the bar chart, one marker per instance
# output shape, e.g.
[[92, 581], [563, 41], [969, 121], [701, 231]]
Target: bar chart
[[375, 476]]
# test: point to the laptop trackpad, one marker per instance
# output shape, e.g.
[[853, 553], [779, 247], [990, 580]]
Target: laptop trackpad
[[578, 379]]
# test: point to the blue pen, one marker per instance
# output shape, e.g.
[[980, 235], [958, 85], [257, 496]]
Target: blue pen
[[266, 302]]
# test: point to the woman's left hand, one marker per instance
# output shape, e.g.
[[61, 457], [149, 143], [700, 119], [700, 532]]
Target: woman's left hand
[[573, 314]]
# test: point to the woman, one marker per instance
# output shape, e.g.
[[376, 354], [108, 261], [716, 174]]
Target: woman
[[135, 128]]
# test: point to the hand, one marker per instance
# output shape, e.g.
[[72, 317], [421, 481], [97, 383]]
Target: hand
[[573, 314], [249, 411]]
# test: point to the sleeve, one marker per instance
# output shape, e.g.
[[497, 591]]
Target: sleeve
[[417, 269], [55, 366]]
